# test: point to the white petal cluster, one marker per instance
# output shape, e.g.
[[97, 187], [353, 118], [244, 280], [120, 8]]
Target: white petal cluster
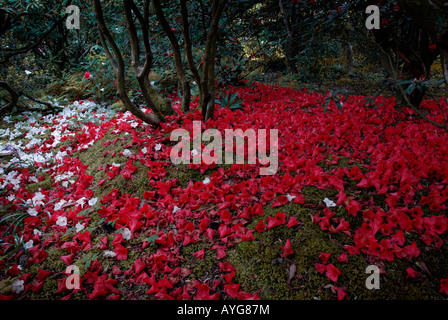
[[70, 119]]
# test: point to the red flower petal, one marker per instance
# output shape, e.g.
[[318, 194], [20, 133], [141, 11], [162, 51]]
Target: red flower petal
[[324, 257], [286, 249], [232, 289], [68, 259], [122, 252], [292, 222], [411, 273], [444, 286], [278, 219], [199, 254], [320, 268], [343, 258], [332, 273], [260, 227]]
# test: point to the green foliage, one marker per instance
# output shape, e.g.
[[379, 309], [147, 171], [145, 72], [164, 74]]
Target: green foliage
[[335, 96], [230, 101]]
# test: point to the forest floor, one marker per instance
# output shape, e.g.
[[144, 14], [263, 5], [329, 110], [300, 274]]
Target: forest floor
[[96, 189]]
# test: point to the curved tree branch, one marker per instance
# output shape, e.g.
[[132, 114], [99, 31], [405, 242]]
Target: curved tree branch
[[207, 102], [12, 94], [187, 42], [186, 96], [119, 68]]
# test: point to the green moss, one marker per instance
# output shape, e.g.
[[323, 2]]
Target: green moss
[[162, 103], [183, 174], [44, 184], [98, 154], [315, 195], [260, 267], [49, 289], [343, 162], [6, 285], [53, 261], [208, 267]]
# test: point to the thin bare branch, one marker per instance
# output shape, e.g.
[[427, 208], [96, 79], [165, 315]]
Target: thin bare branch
[[132, 31]]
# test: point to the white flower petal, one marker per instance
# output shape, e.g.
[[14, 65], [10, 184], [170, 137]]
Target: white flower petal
[[109, 254], [79, 227], [29, 244], [17, 286], [59, 205], [126, 234], [176, 209], [81, 201], [62, 221], [32, 212], [93, 201], [329, 203]]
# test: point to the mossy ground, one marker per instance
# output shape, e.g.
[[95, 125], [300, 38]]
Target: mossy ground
[[259, 265], [261, 268], [100, 155]]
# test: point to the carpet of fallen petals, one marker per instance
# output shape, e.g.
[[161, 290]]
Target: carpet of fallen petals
[[399, 162]]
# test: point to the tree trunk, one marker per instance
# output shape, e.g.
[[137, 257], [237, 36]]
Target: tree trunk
[[349, 58], [116, 59], [291, 45], [186, 94], [188, 45], [207, 100], [348, 53]]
